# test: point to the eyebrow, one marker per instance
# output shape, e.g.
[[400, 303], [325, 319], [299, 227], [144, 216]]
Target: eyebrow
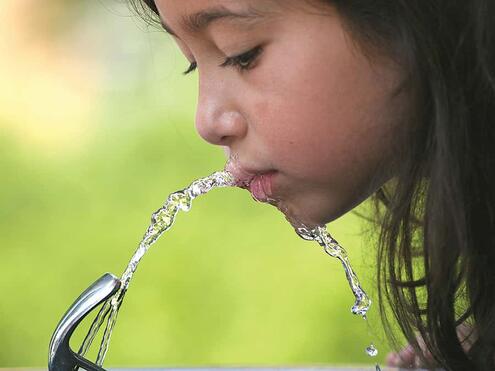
[[199, 21]]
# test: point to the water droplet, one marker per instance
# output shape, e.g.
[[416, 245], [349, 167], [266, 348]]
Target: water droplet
[[305, 234], [185, 201], [195, 189], [223, 179], [371, 351], [161, 217], [362, 305], [174, 199]]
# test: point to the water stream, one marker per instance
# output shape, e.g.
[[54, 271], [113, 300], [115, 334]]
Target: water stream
[[319, 234], [362, 304], [163, 219]]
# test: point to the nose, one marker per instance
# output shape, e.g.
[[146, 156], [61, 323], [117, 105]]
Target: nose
[[219, 119]]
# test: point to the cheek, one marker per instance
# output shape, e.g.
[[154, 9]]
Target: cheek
[[327, 111]]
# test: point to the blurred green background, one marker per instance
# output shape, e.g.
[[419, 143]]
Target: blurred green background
[[96, 129]]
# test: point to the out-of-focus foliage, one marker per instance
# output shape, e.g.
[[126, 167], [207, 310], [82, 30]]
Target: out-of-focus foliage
[[96, 130]]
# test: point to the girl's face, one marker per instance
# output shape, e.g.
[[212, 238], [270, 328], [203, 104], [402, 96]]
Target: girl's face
[[309, 120]]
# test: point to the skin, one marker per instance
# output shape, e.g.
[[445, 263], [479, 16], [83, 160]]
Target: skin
[[312, 107], [409, 358]]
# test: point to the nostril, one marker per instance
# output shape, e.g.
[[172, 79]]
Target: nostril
[[224, 140], [223, 128]]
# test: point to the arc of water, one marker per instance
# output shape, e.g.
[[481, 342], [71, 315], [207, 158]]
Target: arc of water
[[161, 221]]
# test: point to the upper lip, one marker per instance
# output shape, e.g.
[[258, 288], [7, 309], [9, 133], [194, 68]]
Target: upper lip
[[243, 176]]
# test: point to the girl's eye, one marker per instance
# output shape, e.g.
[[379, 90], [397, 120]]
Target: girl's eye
[[191, 68], [243, 61]]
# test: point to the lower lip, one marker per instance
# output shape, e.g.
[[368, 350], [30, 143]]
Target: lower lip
[[261, 186]]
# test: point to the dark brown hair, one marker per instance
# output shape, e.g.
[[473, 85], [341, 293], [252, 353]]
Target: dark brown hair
[[436, 254]]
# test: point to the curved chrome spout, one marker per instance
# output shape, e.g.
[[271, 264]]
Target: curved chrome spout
[[61, 357]]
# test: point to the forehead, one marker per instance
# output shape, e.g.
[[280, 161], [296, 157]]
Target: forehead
[[185, 6], [195, 15], [171, 10]]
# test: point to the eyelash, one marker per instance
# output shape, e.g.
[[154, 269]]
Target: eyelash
[[242, 61]]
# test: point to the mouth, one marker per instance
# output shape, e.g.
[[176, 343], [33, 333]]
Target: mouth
[[258, 182]]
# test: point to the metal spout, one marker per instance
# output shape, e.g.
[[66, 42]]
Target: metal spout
[[61, 357]]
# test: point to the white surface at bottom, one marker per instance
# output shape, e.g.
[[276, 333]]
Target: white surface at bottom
[[321, 368]]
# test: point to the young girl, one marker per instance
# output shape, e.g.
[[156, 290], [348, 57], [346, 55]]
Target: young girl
[[323, 104]]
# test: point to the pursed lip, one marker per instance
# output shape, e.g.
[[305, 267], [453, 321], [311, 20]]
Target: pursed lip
[[258, 182]]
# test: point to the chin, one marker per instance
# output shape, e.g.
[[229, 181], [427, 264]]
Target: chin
[[309, 214]]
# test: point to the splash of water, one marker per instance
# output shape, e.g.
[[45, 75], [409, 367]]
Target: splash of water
[[371, 350], [161, 221], [332, 248]]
